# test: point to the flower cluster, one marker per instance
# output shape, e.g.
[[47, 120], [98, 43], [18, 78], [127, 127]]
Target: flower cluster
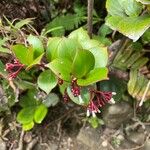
[[75, 89], [98, 100], [13, 69]]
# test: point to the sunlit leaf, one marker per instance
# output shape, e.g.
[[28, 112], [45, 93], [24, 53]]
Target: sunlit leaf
[[40, 113], [61, 68], [26, 115], [132, 27], [36, 44], [83, 63], [94, 76], [29, 126]]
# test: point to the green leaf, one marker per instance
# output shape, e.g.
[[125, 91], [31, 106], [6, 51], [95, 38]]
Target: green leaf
[[40, 113], [28, 100], [85, 95], [51, 100], [104, 30], [66, 22], [47, 81], [100, 52], [29, 126], [145, 2], [132, 27], [26, 115], [123, 8], [61, 48], [62, 68], [146, 37], [22, 53], [52, 48], [35, 62], [94, 76], [132, 81], [83, 63], [79, 35], [95, 122], [37, 45]]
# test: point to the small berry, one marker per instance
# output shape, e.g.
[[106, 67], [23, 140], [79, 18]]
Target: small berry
[[60, 81], [66, 97]]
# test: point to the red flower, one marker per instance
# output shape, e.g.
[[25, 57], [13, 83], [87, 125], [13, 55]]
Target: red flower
[[98, 100], [13, 69]]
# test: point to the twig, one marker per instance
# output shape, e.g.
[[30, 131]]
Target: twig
[[20, 144], [90, 17], [32, 144], [144, 95]]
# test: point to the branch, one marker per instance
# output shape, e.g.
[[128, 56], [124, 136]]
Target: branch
[[90, 17]]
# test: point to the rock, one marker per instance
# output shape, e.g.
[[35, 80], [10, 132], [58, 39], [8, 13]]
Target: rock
[[2, 145], [147, 145], [137, 138], [90, 139], [126, 144], [115, 115], [89, 136]]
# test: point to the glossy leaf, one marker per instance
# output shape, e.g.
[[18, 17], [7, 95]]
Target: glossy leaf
[[26, 115], [35, 62], [79, 35], [61, 48], [94, 76], [40, 113], [22, 53], [83, 63], [100, 52], [29, 126], [47, 81], [132, 27], [52, 48], [37, 45], [61, 68], [123, 7]]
